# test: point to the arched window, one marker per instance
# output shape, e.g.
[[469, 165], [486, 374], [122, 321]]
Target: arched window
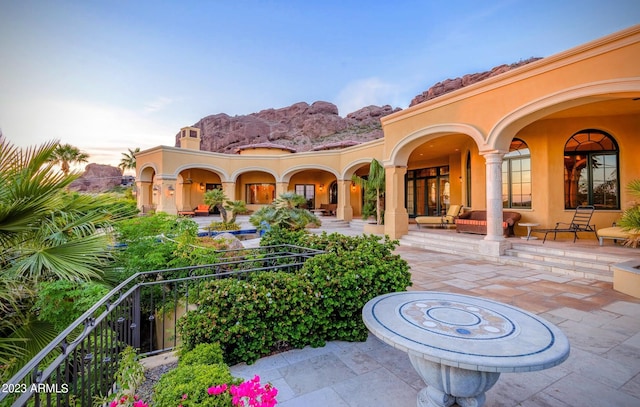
[[591, 170], [516, 176]]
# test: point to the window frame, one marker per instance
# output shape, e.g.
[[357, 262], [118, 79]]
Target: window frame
[[589, 155], [515, 155], [249, 196]]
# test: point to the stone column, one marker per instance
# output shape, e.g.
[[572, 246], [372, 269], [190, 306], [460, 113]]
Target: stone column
[[281, 188], [143, 194], [166, 197], [344, 210], [396, 218], [494, 196], [229, 189]]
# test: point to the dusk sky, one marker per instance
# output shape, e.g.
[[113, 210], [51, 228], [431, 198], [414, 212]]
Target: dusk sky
[[106, 76]]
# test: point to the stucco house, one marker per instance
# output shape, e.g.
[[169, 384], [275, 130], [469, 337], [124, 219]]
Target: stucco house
[[540, 140]]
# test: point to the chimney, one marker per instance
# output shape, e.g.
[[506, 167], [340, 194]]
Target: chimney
[[190, 138]]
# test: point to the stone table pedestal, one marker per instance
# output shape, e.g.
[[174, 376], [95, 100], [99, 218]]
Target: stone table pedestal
[[460, 344]]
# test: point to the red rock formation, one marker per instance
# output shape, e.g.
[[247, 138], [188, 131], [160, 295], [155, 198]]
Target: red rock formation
[[304, 127], [450, 85], [300, 127], [97, 178]]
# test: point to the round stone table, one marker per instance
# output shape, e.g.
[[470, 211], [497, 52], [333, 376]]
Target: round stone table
[[460, 344]]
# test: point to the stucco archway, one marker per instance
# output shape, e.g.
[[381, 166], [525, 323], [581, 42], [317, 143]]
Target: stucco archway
[[584, 95]]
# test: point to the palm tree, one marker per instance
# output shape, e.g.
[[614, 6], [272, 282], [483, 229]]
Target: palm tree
[[46, 233], [285, 213], [630, 220], [374, 186], [66, 154], [217, 198], [128, 160], [235, 207]]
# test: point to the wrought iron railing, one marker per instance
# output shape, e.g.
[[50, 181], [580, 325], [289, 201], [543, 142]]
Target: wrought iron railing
[[141, 312]]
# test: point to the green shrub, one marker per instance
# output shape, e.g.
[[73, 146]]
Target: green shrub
[[187, 385], [159, 242], [322, 301], [223, 226], [61, 302], [254, 317], [278, 236], [203, 354], [142, 227], [348, 279]]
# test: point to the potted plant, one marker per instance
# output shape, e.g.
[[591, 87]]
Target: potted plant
[[630, 221], [626, 276]]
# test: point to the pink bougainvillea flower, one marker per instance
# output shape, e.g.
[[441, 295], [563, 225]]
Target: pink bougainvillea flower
[[215, 390]]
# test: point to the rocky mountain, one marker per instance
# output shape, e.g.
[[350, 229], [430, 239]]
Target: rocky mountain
[[304, 127], [450, 85], [97, 178], [301, 127]]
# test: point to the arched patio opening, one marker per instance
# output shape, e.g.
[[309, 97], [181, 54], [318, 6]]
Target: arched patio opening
[[192, 185], [256, 188]]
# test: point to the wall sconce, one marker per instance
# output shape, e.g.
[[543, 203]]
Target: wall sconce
[[321, 187], [156, 189], [353, 186], [171, 190], [201, 186]]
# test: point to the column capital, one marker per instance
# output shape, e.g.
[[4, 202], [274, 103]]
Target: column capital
[[493, 156]]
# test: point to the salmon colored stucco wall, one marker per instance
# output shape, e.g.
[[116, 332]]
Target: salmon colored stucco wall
[[543, 103]]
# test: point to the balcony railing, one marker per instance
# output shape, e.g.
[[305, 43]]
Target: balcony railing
[[141, 312]]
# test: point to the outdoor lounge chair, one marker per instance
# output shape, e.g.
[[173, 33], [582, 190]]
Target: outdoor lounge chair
[[442, 221], [202, 210], [580, 223]]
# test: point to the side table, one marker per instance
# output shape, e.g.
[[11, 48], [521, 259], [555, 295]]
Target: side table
[[529, 226]]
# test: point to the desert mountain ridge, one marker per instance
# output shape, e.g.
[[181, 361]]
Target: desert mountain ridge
[[316, 126], [299, 127]]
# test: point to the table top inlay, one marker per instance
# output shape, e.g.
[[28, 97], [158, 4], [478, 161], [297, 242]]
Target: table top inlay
[[458, 330]]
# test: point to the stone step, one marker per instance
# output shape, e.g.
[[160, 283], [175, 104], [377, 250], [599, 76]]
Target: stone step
[[559, 268], [591, 255], [572, 261], [583, 264], [443, 243]]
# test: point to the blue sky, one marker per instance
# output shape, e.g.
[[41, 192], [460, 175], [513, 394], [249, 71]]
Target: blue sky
[[106, 76]]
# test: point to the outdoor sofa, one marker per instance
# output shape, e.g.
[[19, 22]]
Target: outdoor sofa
[[476, 222], [329, 209], [440, 221]]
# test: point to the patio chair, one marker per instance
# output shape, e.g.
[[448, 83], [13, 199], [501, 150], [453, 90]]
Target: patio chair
[[580, 223], [202, 210], [442, 221]]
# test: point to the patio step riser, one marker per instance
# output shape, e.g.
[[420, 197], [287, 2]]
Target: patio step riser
[[451, 237], [576, 264], [441, 241], [588, 273], [573, 262], [580, 255]]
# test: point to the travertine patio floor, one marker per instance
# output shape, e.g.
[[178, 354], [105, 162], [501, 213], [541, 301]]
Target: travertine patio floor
[[602, 325]]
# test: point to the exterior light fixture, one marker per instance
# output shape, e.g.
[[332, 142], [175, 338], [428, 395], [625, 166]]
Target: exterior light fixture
[[321, 187], [171, 190], [156, 189], [353, 186], [201, 186]]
